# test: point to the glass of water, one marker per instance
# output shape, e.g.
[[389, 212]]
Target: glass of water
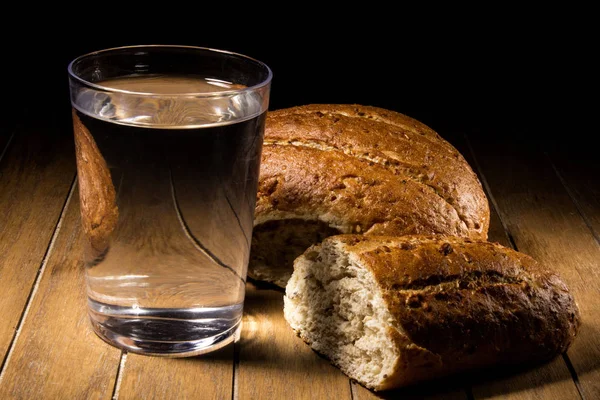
[[168, 144]]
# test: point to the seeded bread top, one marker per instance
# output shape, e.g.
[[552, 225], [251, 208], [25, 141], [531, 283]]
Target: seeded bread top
[[367, 170]]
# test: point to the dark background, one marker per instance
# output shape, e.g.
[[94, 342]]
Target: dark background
[[531, 78]]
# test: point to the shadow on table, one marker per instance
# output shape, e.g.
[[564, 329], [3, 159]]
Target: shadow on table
[[495, 380], [263, 285]]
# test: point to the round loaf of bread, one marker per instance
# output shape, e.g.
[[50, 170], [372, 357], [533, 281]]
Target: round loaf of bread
[[393, 311], [331, 169]]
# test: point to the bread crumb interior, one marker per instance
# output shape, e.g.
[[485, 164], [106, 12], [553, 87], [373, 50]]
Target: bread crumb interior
[[335, 305]]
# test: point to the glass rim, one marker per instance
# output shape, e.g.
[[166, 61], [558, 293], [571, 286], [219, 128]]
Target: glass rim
[[219, 93]]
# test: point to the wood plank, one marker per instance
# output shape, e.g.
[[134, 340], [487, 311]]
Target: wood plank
[[579, 171], [546, 381], [443, 389], [208, 376], [35, 176], [274, 363], [545, 223], [56, 354]]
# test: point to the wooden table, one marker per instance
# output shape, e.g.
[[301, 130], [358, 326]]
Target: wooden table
[[544, 203]]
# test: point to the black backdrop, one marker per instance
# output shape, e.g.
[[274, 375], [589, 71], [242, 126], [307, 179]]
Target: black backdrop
[[533, 81]]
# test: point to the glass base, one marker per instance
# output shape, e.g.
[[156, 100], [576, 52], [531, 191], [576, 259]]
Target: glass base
[[158, 335]]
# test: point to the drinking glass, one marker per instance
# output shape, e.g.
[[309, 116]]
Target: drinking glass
[[168, 142]]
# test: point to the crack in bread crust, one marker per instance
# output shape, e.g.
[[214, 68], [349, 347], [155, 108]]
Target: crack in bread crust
[[467, 280], [353, 197], [391, 165]]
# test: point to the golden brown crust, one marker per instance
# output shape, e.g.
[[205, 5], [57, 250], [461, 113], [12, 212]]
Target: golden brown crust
[[339, 190], [97, 197], [472, 303], [377, 142]]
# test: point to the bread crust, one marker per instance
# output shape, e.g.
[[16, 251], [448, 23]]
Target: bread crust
[[379, 142], [468, 303], [339, 190]]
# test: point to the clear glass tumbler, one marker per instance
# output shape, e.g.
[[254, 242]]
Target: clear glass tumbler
[[168, 144]]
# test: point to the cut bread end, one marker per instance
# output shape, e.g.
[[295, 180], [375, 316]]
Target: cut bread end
[[335, 306]]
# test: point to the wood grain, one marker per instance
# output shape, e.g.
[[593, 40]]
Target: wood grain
[[546, 224], [203, 377], [544, 381], [35, 176], [56, 354], [441, 390], [274, 363], [579, 171]]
